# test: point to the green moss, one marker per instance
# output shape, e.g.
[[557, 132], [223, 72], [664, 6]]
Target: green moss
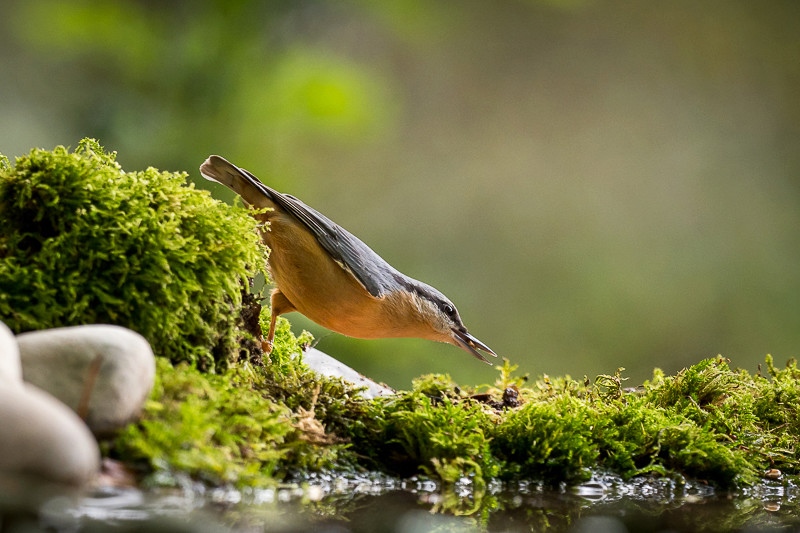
[[209, 426], [561, 432], [415, 433], [246, 426], [82, 241], [708, 422], [550, 439]]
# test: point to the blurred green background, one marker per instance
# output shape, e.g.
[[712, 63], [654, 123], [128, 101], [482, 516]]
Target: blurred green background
[[594, 183]]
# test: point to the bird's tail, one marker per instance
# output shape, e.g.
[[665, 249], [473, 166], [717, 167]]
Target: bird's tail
[[240, 181]]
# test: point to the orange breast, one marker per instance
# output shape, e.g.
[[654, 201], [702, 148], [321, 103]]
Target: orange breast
[[317, 286]]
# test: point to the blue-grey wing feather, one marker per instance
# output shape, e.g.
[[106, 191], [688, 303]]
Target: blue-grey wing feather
[[370, 269]]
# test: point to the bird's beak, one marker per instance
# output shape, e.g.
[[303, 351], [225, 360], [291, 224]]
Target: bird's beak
[[470, 344]]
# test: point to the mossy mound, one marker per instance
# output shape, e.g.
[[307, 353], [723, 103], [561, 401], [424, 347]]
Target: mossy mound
[[83, 242]]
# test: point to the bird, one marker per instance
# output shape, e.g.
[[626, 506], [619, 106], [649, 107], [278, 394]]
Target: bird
[[327, 274]]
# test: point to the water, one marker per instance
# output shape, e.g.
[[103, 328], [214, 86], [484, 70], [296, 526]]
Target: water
[[373, 503]]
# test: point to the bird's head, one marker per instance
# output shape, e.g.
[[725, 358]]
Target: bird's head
[[437, 318]]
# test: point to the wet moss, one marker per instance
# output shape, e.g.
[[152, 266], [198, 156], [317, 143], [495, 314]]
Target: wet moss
[[235, 427], [562, 431], [708, 422], [256, 424]]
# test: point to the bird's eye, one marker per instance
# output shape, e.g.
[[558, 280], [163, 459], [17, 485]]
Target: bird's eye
[[449, 310]]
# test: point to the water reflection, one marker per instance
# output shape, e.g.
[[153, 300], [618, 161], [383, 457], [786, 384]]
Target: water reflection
[[355, 504]]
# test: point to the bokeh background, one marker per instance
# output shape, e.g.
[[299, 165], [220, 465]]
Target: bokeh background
[[595, 183]]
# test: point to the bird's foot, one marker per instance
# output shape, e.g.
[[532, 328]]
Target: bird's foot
[[266, 347]]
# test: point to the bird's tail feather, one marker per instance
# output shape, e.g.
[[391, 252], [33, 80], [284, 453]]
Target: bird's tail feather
[[252, 191]]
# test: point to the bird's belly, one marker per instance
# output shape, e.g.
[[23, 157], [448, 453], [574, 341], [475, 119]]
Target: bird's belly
[[318, 287]]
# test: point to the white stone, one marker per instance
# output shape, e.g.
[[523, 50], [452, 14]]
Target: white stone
[[42, 439], [10, 368], [324, 364], [104, 373]]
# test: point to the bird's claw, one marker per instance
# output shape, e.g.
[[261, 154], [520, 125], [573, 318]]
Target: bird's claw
[[266, 347]]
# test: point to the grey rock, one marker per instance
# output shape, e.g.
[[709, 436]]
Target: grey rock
[[10, 369], [324, 364], [104, 373], [43, 439]]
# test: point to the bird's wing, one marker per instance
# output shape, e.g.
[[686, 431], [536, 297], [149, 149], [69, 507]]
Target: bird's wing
[[355, 257], [370, 269]]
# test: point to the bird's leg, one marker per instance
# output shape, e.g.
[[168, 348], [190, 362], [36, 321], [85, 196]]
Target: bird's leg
[[279, 304]]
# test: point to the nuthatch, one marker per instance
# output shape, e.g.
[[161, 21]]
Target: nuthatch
[[330, 276]]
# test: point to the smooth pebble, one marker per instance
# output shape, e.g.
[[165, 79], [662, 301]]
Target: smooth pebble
[[102, 372]]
